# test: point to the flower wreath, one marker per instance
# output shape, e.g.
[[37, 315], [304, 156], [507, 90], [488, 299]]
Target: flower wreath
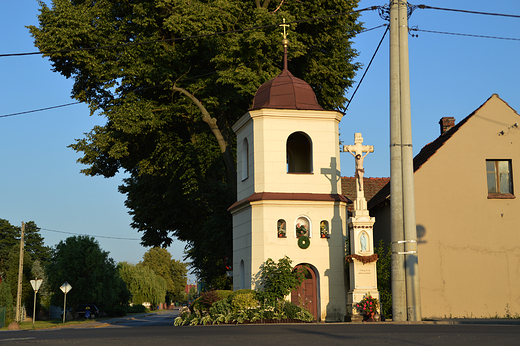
[[304, 242]]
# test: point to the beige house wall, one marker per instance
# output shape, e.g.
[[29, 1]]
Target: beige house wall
[[468, 245]]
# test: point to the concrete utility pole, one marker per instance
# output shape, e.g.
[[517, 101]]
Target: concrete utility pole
[[405, 276], [18, 316]]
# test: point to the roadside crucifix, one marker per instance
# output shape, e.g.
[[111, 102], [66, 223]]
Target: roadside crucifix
[[357, 151]]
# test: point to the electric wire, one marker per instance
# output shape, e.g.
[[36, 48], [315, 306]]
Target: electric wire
[[467, 35], [366, 70], [468, 11], [39, 109], [89, 235]]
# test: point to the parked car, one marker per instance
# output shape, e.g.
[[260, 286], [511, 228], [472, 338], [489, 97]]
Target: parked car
[[81, 309]]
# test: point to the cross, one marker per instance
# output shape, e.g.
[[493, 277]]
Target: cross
[[357, 151], [284, 35]]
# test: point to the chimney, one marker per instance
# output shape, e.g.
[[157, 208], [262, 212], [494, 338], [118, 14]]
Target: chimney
[[446, 124]]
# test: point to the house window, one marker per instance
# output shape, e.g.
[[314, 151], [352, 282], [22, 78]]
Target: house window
[[299, 153], [245, 159], [499, 182]]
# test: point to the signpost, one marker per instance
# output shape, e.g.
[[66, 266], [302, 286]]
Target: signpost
[[36, 286], [65, 288]]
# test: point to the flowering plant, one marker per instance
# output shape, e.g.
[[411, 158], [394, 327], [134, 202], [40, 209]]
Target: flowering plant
[[281, 231], [301, 230], [368, 304]]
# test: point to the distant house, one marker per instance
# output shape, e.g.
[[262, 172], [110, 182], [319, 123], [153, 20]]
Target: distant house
[[467, 214]]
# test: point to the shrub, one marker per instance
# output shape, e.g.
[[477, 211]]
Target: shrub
[[280, 279], [116, 311], [137, 309], [243, 300]]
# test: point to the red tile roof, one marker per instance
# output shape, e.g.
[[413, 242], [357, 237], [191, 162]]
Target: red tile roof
[[370, 185]]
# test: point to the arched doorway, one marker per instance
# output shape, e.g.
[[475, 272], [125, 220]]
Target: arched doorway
[[307, 294]]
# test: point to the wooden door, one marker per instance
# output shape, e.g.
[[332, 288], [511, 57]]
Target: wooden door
[[307, 294]]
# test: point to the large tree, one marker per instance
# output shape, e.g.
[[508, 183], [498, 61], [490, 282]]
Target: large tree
[[144, 284], [172, 271], [81, 262], [34, 250], [170, 104]]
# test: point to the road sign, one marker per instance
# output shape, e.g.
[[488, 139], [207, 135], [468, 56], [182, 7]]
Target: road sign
[[36, 284], [66, 287]]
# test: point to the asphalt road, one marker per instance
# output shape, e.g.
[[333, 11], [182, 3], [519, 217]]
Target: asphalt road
[[157, 329]]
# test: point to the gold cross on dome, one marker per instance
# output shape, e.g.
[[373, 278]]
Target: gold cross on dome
[[284, 26]]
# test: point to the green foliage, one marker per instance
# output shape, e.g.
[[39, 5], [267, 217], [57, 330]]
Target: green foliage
[[243, 300], [384, 283], [279, 279], [6, 299], [34, 250], [181, 166], [143, 284], [136, 309], [172, 271], [241, 307], [87, 268]]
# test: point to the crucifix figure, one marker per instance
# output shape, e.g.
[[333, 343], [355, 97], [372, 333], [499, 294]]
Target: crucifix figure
[[357, 151]]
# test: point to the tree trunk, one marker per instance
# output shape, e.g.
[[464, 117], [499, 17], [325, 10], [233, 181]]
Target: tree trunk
[[225, 148]]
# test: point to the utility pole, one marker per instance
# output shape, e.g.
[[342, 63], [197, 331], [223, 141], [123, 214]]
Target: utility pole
[[410, 228], [396, 200], [20, 273], [405, 277]]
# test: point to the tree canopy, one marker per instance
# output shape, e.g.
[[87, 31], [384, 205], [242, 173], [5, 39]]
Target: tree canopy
[[171, 270], [144, 285], [170, 104], [81, 262], [34, 250]]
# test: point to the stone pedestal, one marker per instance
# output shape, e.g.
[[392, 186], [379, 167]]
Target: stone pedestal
[[362, 265], [362, 261]]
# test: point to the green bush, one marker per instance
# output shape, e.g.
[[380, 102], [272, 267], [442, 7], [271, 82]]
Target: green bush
[[224, 294], [116, 311], [243, 300], [137, 309], [384, 283]]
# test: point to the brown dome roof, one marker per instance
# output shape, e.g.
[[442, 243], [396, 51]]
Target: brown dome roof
[[286, 92]]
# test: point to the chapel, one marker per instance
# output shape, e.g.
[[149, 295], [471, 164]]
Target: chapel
[[289, 200]]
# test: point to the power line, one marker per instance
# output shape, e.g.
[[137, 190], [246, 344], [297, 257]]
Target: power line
[[366, 70], [38, 110], [187, 37], [90, 235], [467, 11], [467, 35]]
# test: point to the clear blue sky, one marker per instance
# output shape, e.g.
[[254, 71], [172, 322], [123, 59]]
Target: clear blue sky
[[40, 180]]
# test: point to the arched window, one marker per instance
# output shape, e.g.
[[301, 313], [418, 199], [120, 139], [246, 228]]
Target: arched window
[[245, 159], [324, 229], [302, 226], [299, 153], [281, 228]]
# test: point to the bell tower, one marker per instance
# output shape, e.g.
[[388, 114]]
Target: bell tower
[[288, 192]]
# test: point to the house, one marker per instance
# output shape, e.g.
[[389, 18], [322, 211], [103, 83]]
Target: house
[[467, 215]]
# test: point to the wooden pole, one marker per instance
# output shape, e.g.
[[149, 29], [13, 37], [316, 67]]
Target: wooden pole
[[20, 273]]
